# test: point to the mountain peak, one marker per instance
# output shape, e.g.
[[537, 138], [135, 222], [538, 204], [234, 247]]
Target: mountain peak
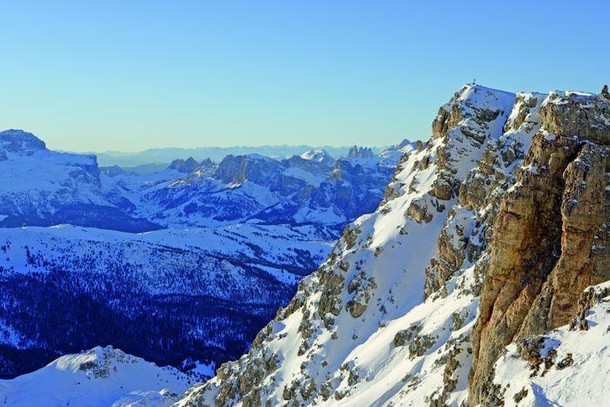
[[16, 141], [488, 234], [106, 375], [318, 155], [188, 165], [360, 152]]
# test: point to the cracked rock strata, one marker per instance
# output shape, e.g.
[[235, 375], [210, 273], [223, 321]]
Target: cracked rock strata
[[551, 235]]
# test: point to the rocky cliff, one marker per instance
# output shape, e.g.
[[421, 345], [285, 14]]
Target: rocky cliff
[[551, 234], [41, 187], [487, 237]]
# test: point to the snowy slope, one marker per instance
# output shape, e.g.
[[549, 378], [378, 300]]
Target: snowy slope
[[565, 367], [228, 281], [32, 250], [98, 377], [239, 236], [357, 332], [311, 189], [387, 319], [43, 187]]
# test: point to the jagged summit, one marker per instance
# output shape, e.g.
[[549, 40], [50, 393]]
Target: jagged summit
[[404, 143], [19, 141], [502, 217], [360, 152], [186, 166]]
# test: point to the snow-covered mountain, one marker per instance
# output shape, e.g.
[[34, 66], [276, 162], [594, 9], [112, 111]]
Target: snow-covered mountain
[[468, 285], [481, 279], [99, 377], [166, 155], [42, 187], [311, 189], [221, 247]]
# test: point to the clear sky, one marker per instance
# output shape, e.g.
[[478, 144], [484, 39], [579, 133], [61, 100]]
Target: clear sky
[[128, 75]]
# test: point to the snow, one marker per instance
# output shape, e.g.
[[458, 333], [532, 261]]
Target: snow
[[204, 369], [98, 377], [45, 173], [319, 215], [581, 384], [317, 155], [393, 250], [306, 176], [242, 241], [356, 358], [390, 255]]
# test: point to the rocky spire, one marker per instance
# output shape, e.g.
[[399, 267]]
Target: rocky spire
[[360, 152]]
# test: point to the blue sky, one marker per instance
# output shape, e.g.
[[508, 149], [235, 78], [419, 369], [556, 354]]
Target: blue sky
[[128, 75]]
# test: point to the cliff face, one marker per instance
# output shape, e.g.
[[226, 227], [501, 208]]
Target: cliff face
[[41, 187], [551, 233], [489, 231]]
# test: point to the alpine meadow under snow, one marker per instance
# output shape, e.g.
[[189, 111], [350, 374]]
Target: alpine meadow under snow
[[481, 278]]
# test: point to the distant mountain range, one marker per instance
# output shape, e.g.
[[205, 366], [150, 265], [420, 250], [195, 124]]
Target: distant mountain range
[[166, 155], [481, 279], [181, 266]]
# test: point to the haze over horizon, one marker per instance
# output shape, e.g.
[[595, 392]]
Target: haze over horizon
[[132, 76], [241, 146]]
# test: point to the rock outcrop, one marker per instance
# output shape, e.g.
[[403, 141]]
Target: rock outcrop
[[41, 187], [360, 152], [488, 232], [605, 92], [551, 235]]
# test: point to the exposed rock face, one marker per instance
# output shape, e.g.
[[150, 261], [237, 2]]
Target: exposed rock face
[[310, 189], [19, 141], [360, 152], [503, 213], [458, 240], [186, 166], [566, 366], [237, 169], [551, 233]]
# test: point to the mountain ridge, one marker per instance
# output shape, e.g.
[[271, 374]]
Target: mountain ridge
[[392, 317], [165, 155], [229, 244]]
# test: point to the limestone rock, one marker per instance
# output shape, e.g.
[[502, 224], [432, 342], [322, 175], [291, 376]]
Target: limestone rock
[[507, 209], [550, 238]]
